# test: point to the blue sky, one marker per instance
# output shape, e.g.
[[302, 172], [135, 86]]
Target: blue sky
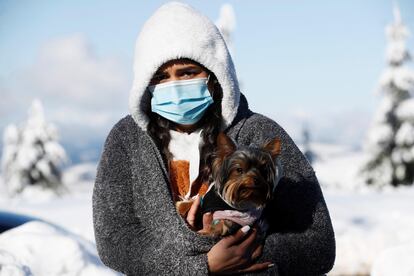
[[298, 61]]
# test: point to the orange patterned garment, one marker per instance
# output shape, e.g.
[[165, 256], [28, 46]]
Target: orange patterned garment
[[180, 181]]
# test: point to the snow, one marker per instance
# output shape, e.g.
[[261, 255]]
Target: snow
[[68, 234], [72, 210], [406, 110], [369, 224], [395, 261], [380, 131], [373, 228], [334, 167], [397, 33], [23, 252], [401, 77]]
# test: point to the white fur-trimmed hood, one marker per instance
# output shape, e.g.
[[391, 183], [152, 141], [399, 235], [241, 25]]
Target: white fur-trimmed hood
[[174, 31]]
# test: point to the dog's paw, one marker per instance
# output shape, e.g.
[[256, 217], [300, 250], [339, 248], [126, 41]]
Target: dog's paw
[[183, 207], [217, 228], [222, 227]]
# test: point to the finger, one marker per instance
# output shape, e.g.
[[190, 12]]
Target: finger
[[193, 211], [249, 240], [257, 252], [256, 267], [207, 220], [237, 237]]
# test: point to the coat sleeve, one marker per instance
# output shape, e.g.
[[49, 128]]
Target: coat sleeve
[[123, 241], [301, 238]]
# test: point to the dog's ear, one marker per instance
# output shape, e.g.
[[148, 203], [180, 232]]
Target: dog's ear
[[225, 145], [273, 147]]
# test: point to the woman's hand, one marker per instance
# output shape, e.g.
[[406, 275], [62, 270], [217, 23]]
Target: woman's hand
[[236, 253], [232, 254]]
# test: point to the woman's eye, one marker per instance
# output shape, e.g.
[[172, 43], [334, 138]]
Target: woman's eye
[[158, 78], [188, 74]]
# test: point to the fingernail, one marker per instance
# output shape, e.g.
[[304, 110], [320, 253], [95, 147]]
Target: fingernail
[[245, 229], [271, 265]]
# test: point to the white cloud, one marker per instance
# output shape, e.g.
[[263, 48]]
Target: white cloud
[[68, 68], [77, 86]]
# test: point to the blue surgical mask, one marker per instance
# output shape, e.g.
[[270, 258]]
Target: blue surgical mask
[[183, 101]]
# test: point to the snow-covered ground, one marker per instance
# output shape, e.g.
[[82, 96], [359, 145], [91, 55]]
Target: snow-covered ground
[[72, 211], [374, 230], [66, 246], [38, 248]]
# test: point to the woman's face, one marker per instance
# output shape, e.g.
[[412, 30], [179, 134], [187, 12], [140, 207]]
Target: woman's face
[[180, 69]]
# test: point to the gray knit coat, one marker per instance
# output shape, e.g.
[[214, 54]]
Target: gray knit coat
[[139, 232]]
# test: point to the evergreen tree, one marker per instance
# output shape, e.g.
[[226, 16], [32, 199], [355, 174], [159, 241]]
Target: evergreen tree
[[387, 138], [32, 155], [307, 151]]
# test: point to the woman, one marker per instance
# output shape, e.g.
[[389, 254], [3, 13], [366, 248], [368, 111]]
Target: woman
[[137, 228]]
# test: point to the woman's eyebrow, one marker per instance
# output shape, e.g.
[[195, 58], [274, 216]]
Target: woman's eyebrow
[[158, 73], [189, 67]]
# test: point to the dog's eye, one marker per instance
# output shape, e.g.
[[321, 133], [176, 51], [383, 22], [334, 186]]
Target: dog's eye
[[239, 170]]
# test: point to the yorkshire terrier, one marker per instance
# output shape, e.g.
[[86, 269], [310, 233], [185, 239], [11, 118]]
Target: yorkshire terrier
[[243, 182]]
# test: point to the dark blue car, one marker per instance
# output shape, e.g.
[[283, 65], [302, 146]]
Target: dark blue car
[[9, 220]]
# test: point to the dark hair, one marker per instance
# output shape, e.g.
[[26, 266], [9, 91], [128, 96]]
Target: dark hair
[[159, 127]]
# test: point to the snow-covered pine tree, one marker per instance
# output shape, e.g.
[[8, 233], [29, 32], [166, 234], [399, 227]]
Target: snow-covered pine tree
[[226, 24], [390, 139], [32, 155]]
